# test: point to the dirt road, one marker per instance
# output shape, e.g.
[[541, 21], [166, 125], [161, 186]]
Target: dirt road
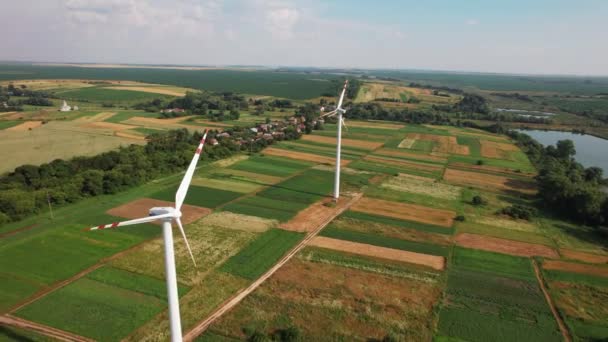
[[41, 329], [204, 324], [558, 318]]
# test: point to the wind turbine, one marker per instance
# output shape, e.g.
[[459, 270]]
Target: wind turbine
[[166, 215], [339, 111]]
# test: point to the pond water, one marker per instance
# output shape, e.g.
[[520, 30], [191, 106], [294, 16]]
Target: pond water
[[590, 150]]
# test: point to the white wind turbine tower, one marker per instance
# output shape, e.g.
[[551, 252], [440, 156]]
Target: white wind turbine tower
[[339, 111], [166, 215]]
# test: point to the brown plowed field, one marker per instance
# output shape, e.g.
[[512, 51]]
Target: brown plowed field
[[393, 153], [492, 149], [444, 143], [488, 182], [489, 168], [584, 257], [574, 267], [375, 125], [368, 145], [492, 244], [312, 217], [410, 212], [405, 164], [271, 151], [25, 126], [432, 261], [140, 208]]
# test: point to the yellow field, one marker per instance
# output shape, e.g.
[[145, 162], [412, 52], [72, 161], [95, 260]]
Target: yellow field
[[56, 139]]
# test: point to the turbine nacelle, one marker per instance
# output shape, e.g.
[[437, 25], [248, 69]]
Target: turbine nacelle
[[156, 211]]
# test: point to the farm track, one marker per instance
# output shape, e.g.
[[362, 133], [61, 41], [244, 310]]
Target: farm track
[[41, 329], [558, 318], [231, 303]]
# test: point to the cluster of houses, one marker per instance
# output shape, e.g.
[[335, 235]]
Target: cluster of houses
[[269, 131], [173, 110]]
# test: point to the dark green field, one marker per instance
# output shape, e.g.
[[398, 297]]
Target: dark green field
[[280, 84], [96, 94], [200, 196], [255, 259]]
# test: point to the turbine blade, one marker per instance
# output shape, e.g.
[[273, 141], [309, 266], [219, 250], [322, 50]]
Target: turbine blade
[[180, 195], [333, 112], [130, 222], [344, 124], [342, 95], [181, 229]]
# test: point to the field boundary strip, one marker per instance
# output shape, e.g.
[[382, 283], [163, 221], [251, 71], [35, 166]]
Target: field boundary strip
[[42, 329], [560, 323], [193, 333]]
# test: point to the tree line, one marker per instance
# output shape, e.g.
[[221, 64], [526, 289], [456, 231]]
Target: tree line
[[26, 190], [27, 97], [565, 186]]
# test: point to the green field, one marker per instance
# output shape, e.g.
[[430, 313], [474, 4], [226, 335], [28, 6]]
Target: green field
[[92, 304], [281, 84], [255, 259], [397, 223], [491, 297], [271, 166], [9, 124], [96, 94]]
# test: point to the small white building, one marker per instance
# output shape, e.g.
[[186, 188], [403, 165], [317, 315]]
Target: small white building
[[65, 107]]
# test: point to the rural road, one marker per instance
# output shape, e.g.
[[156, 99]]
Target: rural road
[[42, 329], [560, 322], [232, 302]]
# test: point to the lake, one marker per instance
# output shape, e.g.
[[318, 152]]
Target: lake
[[590, 150]]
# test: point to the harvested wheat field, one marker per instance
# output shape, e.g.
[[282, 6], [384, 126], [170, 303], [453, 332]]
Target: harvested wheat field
[[271, 151], [423, 186], [492, 149], [405, 164], [574, 267], [488, 182], [492, 244], [392, 153], [410, 212], [229, 220], [432, 261], [368, 145], [152, 122], [318, 214], [258, 177], [107, 125], [25, 126], [97, 117], [584, 257], [152, 89], [367, 124], [140, 208]]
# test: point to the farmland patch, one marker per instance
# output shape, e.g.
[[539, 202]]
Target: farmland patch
[[271, 166], [432, 261], [423, 227], [329, 302], [200, 196], [422, 185], [261, 253], [409, 155], [566, 266], [497, 150], [489, 182], [309, 157], [363, 144], [410, 212], [492, 244], [584, 257]]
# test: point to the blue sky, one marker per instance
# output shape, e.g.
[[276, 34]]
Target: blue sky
[[509, 36]]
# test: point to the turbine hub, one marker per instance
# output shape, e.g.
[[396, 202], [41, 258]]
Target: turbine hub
[[164, 210]]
